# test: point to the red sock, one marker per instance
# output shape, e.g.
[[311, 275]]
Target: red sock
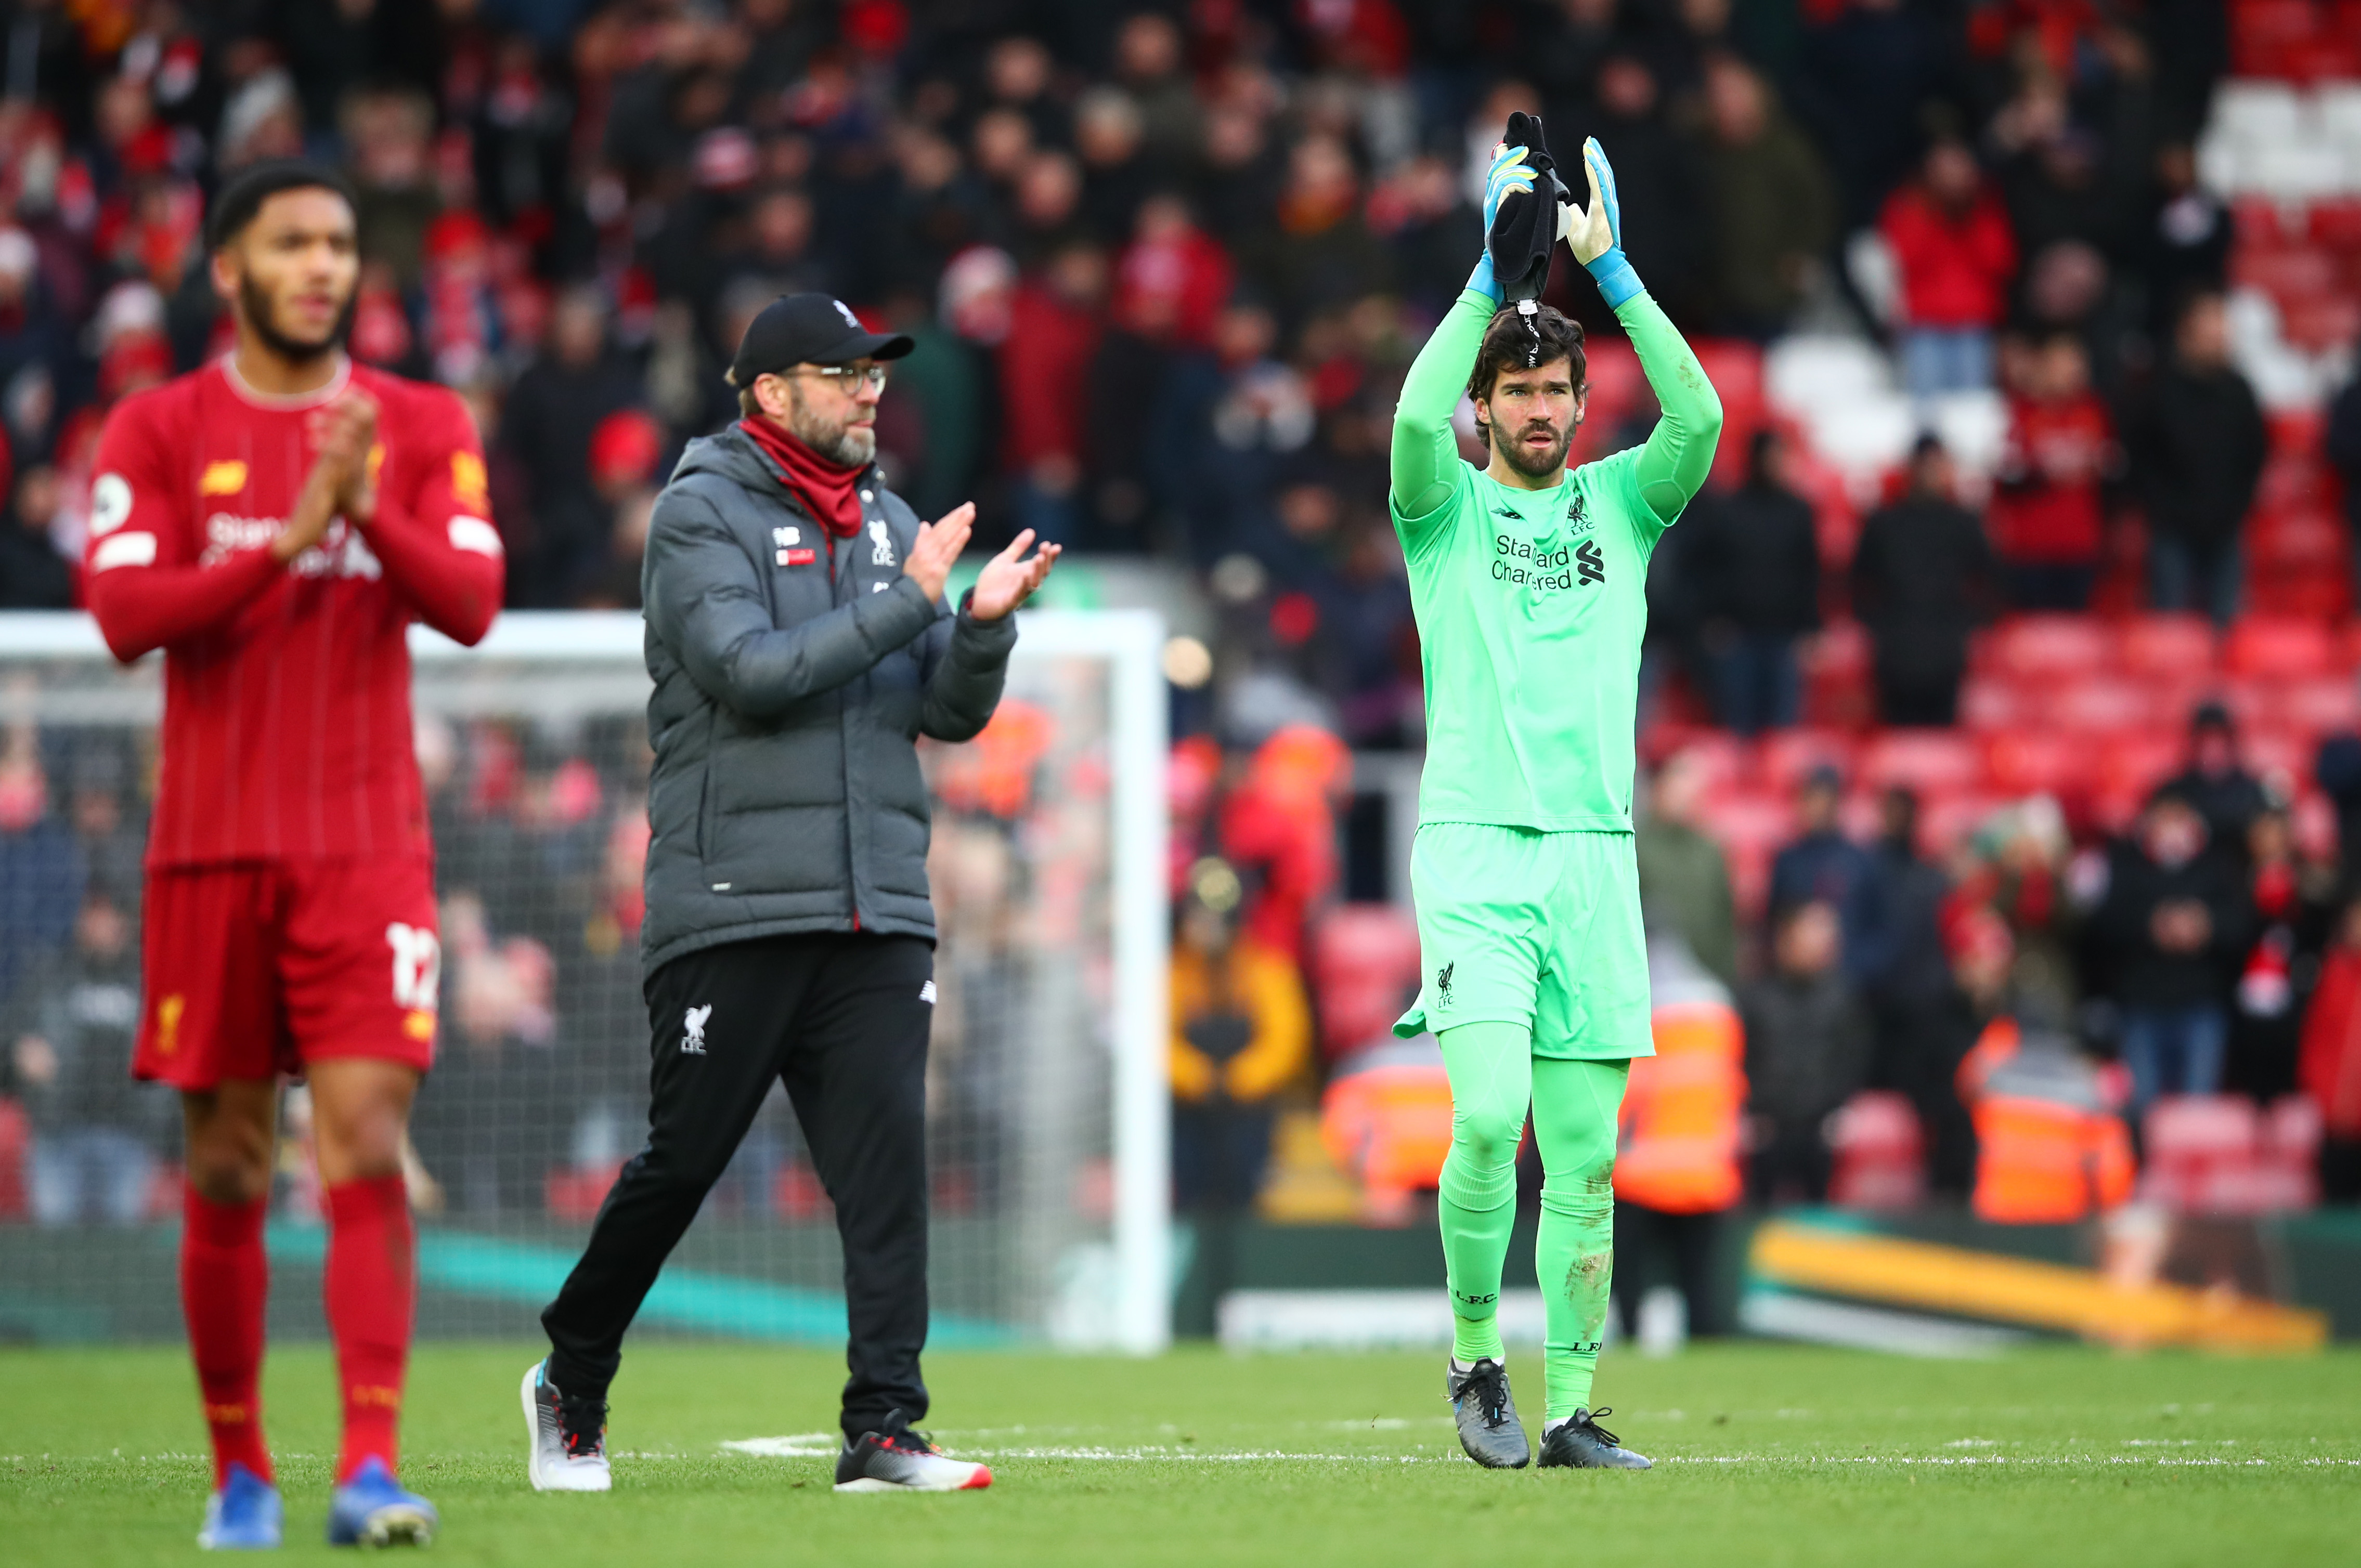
[[370, 1297], [225, 1285]]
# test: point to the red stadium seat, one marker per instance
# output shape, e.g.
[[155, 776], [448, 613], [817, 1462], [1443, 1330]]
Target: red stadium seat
[[1617, 383], [1992, 707], [2039, 761], [1880, 1154], [2199, 1146], [2325, 706], [1928, 761], [2047, 647], [1783, 757], [2168, 649], [2278, 648], [1364, 965], [2102, 706], [1946, 822]]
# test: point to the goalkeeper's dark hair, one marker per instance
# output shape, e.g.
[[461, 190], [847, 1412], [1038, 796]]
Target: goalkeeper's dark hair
[[236, 203], [1516, 340]]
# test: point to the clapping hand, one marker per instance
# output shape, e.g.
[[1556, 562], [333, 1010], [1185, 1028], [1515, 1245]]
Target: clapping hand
[[1009, 578]]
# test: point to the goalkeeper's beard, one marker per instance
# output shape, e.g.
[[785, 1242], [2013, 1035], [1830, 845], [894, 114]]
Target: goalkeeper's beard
[[837, 440], [1515, 453]]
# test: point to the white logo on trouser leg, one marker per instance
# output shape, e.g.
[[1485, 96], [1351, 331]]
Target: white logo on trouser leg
[[692, 1044], [927, 994]]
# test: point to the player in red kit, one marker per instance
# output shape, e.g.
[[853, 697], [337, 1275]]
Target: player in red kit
[[274, 521]]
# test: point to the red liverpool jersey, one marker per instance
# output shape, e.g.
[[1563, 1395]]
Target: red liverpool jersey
[[287, 729]]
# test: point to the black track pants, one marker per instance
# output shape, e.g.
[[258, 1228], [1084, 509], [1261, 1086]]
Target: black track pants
[[842, 1021]]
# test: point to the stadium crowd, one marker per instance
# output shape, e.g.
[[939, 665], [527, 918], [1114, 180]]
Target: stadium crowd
[[1165, 267]]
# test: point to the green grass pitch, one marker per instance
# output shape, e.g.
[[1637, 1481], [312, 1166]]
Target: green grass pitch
[[1765, 1455]]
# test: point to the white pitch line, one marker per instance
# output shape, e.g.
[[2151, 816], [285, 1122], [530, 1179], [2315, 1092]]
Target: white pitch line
[[800, 1447]]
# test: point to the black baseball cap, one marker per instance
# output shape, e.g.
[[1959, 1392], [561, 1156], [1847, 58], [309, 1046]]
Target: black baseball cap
[[809, 329]]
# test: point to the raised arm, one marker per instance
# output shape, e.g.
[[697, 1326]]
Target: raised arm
[[1678, 456], [1679, 451], [1425, 454], [440, 549], [147, 589]]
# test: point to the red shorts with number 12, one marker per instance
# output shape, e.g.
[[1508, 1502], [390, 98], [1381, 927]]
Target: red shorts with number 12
[[253, 969]]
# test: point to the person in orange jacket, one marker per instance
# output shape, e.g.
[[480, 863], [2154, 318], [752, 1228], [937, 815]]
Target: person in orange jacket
[[2050, 1149], [1676, 1162], [1241, 1033]]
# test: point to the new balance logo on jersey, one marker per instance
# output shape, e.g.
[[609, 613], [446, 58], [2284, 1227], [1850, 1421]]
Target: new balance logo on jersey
[[692, 1042], [1443, 984]]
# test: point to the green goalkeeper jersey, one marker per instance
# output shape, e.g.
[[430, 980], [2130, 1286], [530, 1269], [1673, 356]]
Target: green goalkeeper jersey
[[1530, 604]]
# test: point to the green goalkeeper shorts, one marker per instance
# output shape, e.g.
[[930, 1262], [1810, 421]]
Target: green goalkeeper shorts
[[1542, 930]]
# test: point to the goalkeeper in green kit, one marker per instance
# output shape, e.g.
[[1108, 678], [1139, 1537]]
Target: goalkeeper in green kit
[[1528, 580]]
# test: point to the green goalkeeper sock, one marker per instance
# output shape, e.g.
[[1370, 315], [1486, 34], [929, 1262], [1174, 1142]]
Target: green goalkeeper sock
[[1491, 1083], [1575, 1108]]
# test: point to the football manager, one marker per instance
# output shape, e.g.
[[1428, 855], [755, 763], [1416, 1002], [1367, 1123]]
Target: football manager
[[800, 644]]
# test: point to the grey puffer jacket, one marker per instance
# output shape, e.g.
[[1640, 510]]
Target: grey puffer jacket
[[792, 681]]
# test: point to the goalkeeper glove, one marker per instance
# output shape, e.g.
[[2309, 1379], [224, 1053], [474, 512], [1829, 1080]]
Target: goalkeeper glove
[[1526, 221], [1597, 239], [1507, 175]]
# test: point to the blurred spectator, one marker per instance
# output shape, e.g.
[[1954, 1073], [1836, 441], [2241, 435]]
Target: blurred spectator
[[1053, 332], [1950, 238], [1241, 1033], [1684, 875], [2049, 1150], [1976, 996], [388, 133], [1769, 202], [546, 422], [2048, 520], [2218, 783], [1869, 77], [1808, 1050], [1915, 972], [2345, 453], [1676, 1162], [33, 574], [1321, 250], [2187, 239], [2174, 923], [2018, 869], [1659, 181], [1752, 563], [2330, 1067], [1823, 866], [2292, 901], [2196, 444], [69, 1028], [1922, 581], [40, 873]]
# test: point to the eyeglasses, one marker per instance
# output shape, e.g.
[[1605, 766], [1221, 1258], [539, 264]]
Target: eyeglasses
[[852, 379]]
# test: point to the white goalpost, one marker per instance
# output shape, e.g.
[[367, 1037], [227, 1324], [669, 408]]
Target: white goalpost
[[1048, 1103]]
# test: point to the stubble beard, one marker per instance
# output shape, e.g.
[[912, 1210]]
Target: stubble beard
[[255, 306], [838, 439], [1552, 459]]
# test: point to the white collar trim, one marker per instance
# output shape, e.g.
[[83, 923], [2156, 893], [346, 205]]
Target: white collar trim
[[283, 401]]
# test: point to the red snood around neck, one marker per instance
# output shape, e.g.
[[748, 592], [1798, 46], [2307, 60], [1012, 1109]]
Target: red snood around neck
[[826, 488]]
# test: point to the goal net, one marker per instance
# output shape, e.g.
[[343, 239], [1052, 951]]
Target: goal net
[[1045, 1089]]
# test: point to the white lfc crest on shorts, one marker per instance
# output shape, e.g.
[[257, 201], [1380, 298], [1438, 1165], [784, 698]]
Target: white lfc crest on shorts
[[692, 1042], [882, 555]]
